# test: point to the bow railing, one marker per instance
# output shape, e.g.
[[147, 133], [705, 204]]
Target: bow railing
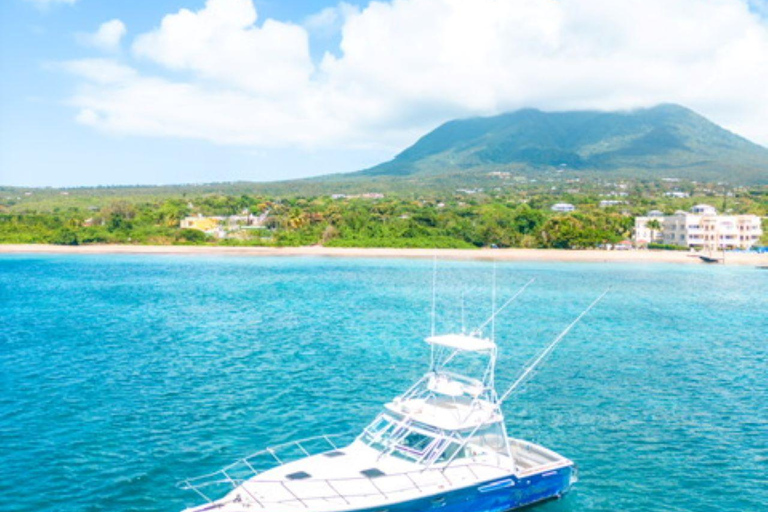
[[246, 468]]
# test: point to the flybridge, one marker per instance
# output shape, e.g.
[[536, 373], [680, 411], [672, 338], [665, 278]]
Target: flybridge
[[462, 342]]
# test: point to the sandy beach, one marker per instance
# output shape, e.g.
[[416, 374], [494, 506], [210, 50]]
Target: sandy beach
[[594, 256]]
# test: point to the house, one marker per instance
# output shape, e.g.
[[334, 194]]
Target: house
[[225, 227], [563, 207], [200, 223]]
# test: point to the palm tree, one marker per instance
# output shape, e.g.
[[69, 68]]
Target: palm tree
[[654, 225]]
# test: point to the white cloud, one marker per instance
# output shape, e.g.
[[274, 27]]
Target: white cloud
[[45, 4], [103, 72], [221, 42], [107, 37], [330, 20], [403, 67]]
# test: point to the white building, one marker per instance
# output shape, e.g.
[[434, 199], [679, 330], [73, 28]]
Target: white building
[[611, 202], [701, 228], [563, 207], [644, 234]]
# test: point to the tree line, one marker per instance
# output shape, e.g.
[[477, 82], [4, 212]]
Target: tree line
[[454, 222]]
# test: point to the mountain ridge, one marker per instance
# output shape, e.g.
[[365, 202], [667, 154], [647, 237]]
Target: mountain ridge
[[654, 142]]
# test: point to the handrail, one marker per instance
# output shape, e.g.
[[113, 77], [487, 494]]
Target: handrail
[[191, 483], [296, 496]]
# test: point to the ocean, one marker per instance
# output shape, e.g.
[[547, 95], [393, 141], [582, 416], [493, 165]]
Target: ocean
[[121, 375]]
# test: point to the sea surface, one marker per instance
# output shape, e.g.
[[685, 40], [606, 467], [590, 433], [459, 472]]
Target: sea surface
[[121, 375]]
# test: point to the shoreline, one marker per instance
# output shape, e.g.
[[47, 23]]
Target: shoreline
[[550, 255]]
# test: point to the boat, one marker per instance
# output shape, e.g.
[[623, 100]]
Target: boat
[[710, 259], [441, 444]]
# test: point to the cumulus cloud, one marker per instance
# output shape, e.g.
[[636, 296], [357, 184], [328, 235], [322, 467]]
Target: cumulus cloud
[[107, 37], [405, 66], [221, 42]]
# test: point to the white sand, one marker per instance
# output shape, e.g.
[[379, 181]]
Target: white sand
[[456, 254]]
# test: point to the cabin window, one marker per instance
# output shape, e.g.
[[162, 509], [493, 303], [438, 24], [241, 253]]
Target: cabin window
[[491, 437], [453, 450], [415, 443]]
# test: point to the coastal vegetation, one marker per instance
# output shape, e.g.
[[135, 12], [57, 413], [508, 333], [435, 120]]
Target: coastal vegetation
[[495, 216]]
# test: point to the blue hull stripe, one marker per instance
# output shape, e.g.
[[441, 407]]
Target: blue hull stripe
[[491, 496]]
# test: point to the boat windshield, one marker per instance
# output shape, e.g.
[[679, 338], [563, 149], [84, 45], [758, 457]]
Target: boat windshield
[[409, 441]]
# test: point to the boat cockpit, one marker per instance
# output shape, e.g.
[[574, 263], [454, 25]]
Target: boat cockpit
[[428, 445]]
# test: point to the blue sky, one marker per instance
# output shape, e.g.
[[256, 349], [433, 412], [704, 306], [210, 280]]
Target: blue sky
[[99, 92], [42, 145]]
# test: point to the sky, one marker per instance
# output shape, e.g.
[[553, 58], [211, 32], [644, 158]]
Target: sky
[[115, 92]]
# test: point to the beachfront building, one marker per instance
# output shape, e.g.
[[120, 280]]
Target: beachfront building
[[563, 207], [648, 229], [701, 228], [200, 223], [225, 226]]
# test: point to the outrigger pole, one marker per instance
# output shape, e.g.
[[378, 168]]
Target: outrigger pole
[[549, 349]]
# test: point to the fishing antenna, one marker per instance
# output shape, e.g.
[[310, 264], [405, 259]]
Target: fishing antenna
[[549, 349], [493, 305], [502, 308], [434, 284], [434, 298]]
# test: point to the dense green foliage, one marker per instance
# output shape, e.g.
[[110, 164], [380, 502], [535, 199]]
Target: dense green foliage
[[664, 141], [505, 216]]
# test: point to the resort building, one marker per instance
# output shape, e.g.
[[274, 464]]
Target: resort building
[[701, 228], [563, 207]]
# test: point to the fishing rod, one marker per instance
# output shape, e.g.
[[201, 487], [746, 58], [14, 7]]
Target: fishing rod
[[479, 329], [527, 372], [502, 308]]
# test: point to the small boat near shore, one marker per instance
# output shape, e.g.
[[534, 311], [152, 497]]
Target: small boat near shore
[[441, 444], [710, 259]]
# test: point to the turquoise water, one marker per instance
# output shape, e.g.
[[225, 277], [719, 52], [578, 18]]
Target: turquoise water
[[120, 375]]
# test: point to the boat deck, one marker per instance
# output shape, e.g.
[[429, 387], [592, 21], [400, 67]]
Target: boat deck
[[356, 477]]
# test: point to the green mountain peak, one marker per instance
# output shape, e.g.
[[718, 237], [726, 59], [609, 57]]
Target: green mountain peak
[[661, 141]]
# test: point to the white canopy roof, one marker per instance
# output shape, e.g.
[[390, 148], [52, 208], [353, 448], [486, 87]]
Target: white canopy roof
[[463, 342]]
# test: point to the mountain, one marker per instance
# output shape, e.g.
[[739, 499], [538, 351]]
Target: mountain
[[662, 141]]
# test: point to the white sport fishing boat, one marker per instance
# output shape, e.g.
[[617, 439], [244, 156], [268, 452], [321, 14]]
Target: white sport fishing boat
[[442, 444]]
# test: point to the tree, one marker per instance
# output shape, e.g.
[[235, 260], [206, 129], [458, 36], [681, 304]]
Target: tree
[[654, 225]]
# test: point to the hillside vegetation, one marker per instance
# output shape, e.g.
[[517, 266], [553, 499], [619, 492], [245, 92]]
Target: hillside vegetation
[[663, 141]]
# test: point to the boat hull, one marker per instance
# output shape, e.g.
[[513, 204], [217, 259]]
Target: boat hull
[[499, 495]]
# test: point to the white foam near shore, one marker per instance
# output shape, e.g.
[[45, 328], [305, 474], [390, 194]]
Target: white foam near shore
[[598, 256]]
